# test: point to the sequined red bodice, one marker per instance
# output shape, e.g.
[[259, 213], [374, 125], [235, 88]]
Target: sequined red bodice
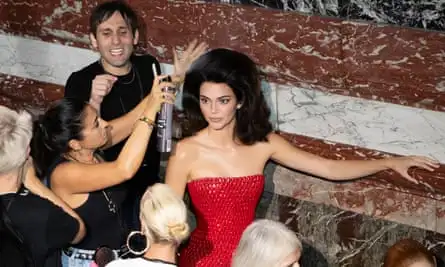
[[224, 207]]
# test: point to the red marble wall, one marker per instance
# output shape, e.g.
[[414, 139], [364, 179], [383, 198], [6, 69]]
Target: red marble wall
[[391, 64]]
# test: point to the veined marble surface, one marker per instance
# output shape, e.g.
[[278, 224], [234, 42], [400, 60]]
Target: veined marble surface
[[376, 200], [42, 61], [366, 60], [337, 238], [45, 62], [419, 14], [354, 121], [365, 123], [53, 63], [322, 7], [411, 13]]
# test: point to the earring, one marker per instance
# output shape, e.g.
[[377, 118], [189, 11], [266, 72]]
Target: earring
[[137, 253], [238, 106]]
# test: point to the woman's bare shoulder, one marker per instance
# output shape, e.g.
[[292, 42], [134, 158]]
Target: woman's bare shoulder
[[186, 147]]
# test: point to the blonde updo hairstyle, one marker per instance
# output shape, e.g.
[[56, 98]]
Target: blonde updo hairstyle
[[163, 216]]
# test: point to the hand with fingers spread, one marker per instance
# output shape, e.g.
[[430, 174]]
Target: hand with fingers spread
[[100, 87], [402, 164], [183, 62]]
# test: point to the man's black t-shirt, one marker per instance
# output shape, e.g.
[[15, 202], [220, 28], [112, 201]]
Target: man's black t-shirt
[[126, 93], [45, 227]]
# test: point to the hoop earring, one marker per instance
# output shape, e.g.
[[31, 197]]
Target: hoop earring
[[138, 253]]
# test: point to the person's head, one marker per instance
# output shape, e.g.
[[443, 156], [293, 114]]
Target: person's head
[[163, 216], [409, 253], [114, 32], [267, 243], [69, 125], [223, 89], [15, 136]]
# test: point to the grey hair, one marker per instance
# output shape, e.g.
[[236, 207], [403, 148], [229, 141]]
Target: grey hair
[[265, 243], [15, 135]]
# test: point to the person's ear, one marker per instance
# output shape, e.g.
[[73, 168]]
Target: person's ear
[[136, 37], [93, 41], [74, 145]]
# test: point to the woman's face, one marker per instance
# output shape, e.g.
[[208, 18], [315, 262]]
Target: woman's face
[[292, 260], [96, 132], [218, 104]]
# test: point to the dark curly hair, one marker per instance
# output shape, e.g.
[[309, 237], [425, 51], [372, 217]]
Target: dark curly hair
[[241, 74]]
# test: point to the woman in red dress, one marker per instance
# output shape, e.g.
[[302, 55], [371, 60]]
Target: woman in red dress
[[230, 140]]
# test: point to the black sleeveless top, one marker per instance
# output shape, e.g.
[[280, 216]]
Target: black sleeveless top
[[104, 227], [33, 228]]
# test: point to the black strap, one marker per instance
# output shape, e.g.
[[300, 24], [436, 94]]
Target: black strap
[[123, 251], [116, 212], [99, 155]]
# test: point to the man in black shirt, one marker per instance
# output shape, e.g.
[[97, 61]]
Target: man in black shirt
[[118, 81]]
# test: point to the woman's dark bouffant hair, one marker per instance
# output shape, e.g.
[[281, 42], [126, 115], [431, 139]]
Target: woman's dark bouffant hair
[[406, 252], [53, 130], [240, 73]]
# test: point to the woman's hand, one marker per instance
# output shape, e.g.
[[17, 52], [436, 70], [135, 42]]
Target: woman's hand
[[159, 93], [402, 164], [182, 63]]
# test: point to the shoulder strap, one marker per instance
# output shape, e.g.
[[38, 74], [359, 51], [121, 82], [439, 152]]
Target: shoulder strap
[[46, 180]]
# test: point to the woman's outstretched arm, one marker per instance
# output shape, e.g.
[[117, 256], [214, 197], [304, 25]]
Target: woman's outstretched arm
[[285, 153]]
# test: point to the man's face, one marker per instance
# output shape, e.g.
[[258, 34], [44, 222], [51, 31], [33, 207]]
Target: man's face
[[115, 41]]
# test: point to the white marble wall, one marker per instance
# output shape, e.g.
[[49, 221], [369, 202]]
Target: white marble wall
[[370, 124]]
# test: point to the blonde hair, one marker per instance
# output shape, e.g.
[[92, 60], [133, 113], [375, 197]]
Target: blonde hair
[[265, 243], [163, 215], [15, 135]]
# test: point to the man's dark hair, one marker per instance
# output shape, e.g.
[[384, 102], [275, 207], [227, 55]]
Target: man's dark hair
[[105, 10]]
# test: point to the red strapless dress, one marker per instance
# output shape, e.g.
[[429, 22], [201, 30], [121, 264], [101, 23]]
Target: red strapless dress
[[224, 207]]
